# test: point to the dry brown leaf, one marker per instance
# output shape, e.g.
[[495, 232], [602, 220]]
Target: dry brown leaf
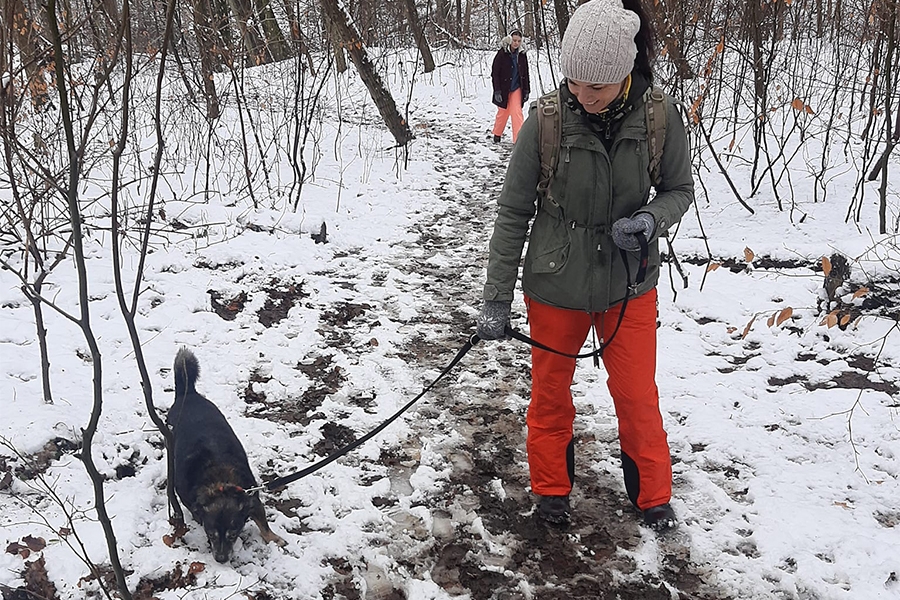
[[771, 320], [832, 319], [861, 292], [826, 265], [36, 544], [809, 110], [169, 540], [843, 504], [712, 267], [845, 319], [748, 255], [731, 145], [747, 328], [196, 567], [730, 329], [784, 315], [797, 104], [16, 548]]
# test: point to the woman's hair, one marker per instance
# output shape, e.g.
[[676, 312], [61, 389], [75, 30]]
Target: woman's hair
[[515, 32], [645, 40]]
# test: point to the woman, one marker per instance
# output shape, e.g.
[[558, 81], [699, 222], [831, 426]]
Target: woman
[[574, 277], [509, 75]]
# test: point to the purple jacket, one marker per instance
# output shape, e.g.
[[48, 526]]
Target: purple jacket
[[501, 75]]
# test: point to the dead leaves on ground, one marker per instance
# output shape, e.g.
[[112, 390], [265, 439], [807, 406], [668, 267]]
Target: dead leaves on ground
[[780, 317], [28, 545]]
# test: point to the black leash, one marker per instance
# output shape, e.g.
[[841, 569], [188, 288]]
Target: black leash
[[641, 276], [282, 481], [629, 291]]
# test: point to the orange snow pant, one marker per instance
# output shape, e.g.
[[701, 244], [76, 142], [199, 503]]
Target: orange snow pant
[[513, 109], [630, 363]]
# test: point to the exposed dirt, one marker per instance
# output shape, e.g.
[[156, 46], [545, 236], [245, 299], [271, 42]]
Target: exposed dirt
[[177, 578], [227, 308], [32, 466], [37, 584], [280, 299], [517, 556]]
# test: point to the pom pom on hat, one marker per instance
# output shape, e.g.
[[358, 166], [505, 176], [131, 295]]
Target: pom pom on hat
[[598, 45]]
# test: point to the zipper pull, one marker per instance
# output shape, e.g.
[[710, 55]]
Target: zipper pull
[[568, 153]]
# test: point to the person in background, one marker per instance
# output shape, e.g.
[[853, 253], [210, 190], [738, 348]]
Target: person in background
[[574, 276], [511, 84]]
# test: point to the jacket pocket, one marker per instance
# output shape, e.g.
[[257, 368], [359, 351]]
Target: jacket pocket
[[548, 246]]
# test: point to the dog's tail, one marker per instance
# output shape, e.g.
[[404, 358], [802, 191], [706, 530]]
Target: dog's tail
[[187, 370]]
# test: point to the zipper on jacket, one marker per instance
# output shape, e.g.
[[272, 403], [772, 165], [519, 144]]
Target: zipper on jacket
[[568, 153]]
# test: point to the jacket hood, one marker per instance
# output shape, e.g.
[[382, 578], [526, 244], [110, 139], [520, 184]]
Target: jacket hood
[[506, 42]]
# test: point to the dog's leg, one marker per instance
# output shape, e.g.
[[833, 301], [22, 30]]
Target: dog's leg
[[258, 514]]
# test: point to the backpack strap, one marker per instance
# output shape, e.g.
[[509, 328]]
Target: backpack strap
[[550, 139], [655, 112]]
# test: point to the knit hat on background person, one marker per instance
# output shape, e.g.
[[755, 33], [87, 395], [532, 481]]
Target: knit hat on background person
[[598, 45]]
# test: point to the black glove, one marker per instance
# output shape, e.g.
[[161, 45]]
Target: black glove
[[624, 230], [491, 323], [524, 98], [498, 97]]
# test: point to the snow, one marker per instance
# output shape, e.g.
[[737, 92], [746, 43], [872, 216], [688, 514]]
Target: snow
[[783, 491]]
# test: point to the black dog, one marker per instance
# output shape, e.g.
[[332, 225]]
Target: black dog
[[211, 467]]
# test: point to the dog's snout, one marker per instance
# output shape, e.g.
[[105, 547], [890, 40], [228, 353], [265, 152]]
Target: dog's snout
[[222, 558]]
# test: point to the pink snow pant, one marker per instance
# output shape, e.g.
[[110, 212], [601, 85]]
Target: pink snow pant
[[513, 109]]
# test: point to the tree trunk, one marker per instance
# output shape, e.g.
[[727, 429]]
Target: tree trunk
[[501, 19], [257, 54], [536, 15], [421, 42], [296, 36], [277, 45], [467, 20], [562, 16], [206, 42], [337, 47], [37, 306], [442, 13], [382, 97], [26, 34], [529, 19]]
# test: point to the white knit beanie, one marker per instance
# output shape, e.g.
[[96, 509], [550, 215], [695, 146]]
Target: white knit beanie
[[598, 46]]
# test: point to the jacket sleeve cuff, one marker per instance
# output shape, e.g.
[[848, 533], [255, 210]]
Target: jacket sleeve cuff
[[492, 292]]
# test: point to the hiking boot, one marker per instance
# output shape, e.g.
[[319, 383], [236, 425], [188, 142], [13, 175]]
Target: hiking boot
[[660, 517], [554, 509], [496, 139]]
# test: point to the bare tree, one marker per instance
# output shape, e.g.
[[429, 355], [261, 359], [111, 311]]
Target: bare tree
[[350, 39], [209, 55], [419, 34]]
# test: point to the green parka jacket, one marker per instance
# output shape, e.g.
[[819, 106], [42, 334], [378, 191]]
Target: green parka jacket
[[571, 261]]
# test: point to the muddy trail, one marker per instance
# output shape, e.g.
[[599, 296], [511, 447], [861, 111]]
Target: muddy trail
[[484, 538]]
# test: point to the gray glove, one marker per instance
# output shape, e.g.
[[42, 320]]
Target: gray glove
[[492, 321], [624, 230], [498, 97]]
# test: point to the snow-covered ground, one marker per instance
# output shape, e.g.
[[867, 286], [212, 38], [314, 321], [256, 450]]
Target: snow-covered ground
[[785, 437]]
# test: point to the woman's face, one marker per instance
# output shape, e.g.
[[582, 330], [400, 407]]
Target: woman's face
[[516, 42], [594, 97]]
